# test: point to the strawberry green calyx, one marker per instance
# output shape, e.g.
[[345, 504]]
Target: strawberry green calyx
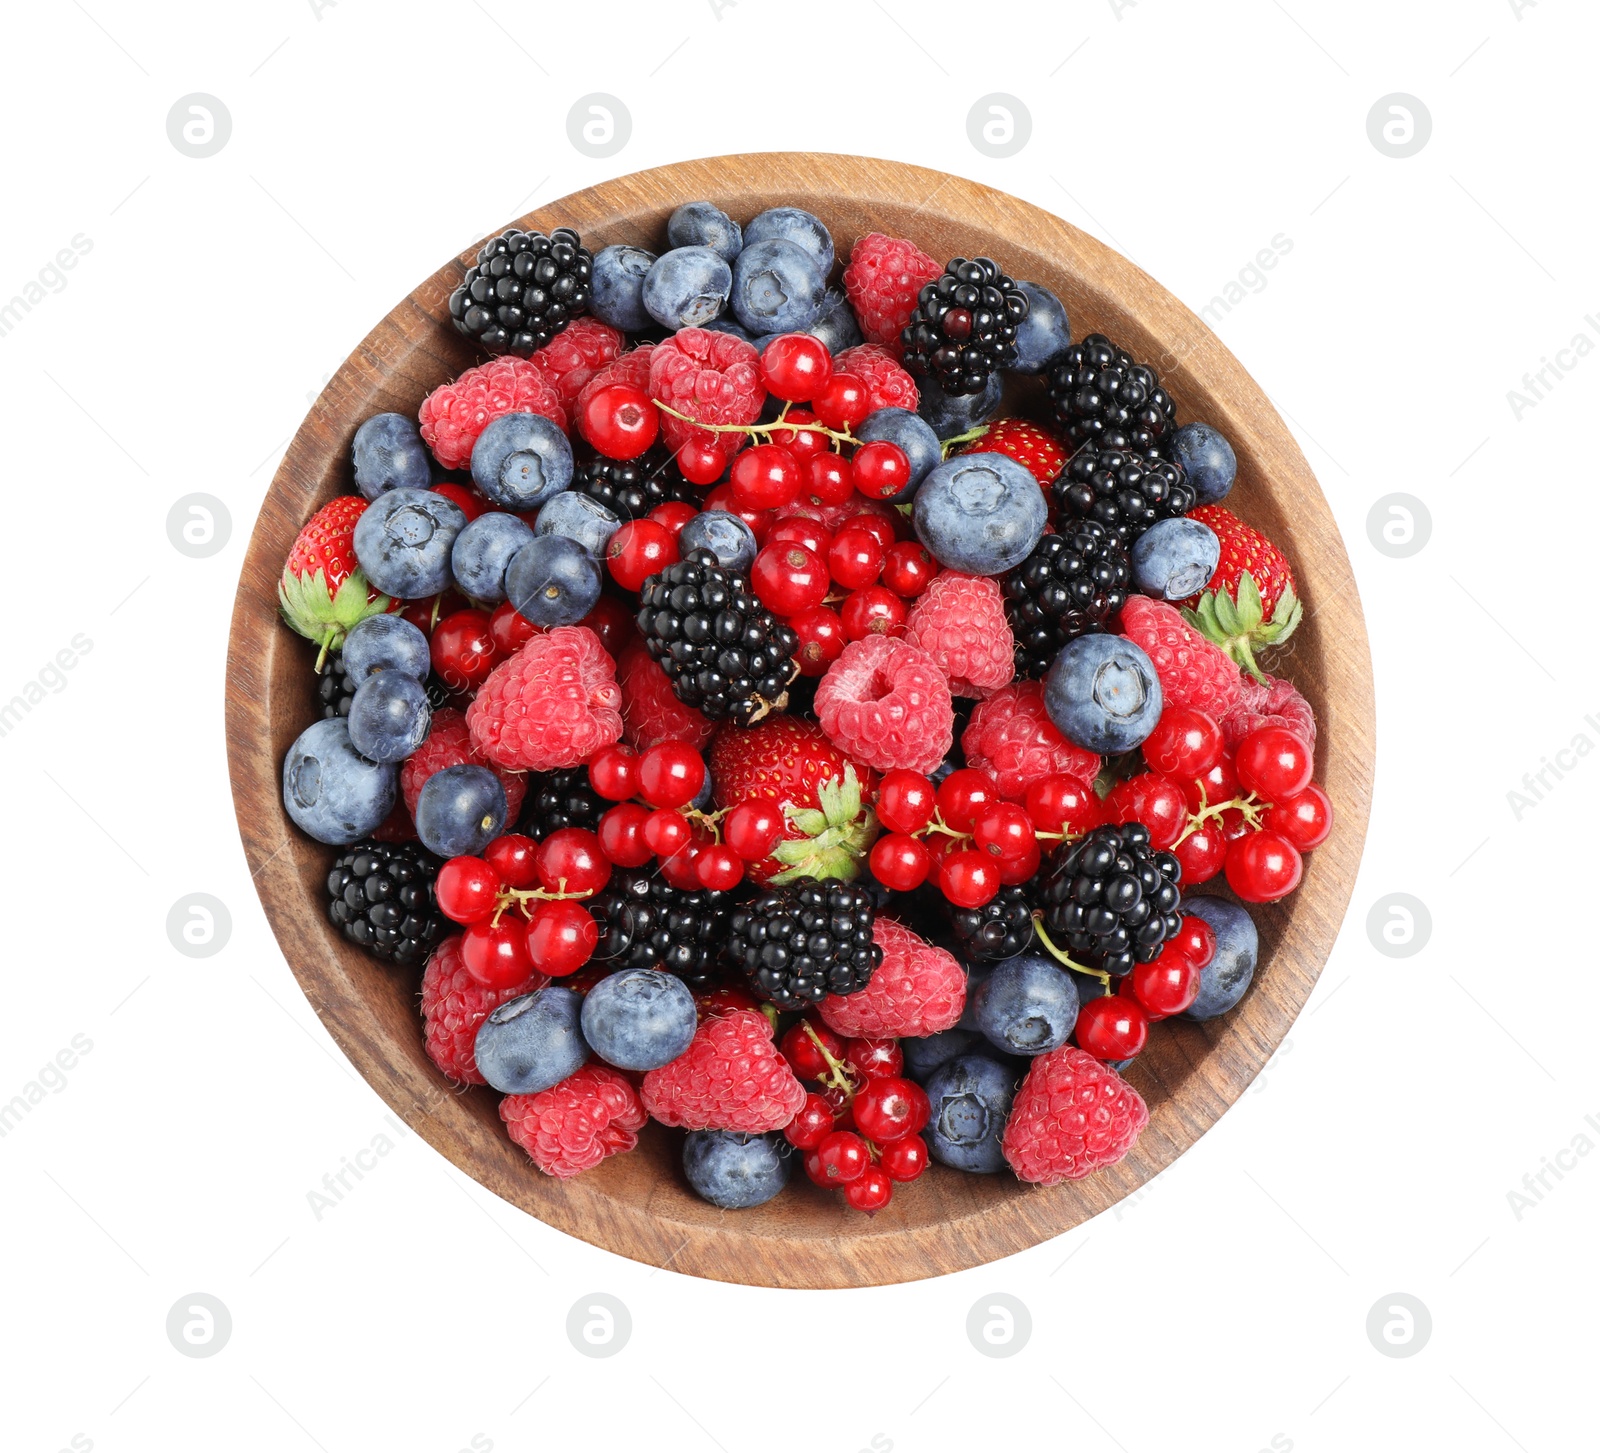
[[1236, 622], [836, 834], [325, 616]]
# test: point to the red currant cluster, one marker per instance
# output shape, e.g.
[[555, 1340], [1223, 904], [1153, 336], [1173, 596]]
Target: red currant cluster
[[859, 1125]]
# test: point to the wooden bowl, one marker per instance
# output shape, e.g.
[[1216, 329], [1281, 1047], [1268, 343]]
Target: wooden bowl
[[638, 1205]]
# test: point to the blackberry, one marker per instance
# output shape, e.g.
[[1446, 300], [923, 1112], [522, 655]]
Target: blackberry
[[723, 651], [1100, 394], [1002, 928], [524, 289], [1125, 492], [799, 943], [336, 688], [646, 923], [1071, 584], [631, 488], [558, 799], [965, 326], [1113, 899], [380, 895]]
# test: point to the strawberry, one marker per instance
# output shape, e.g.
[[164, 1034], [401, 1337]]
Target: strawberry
[[323, 592], [1250, 600], [788, 760], [1032, 446]]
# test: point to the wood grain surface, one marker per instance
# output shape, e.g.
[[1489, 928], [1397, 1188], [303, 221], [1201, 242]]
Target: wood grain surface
[[638, 1205]]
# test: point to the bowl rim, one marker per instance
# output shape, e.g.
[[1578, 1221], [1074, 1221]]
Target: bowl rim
[[1203, 1068]]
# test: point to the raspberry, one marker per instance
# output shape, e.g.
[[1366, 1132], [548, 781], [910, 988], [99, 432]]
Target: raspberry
[[454, 1004], [960, 620], [886, 703], [576, 354], [449, 744], [651, 711], [1268, 703], [917, 989], [714, 378], [1193, 672], [573, 1126], [1034, 447], [455, 413], [731, 1077], [1072, 1117], [550, 705], [1012, 738], [882, 282], [632, 367], [888, 385]]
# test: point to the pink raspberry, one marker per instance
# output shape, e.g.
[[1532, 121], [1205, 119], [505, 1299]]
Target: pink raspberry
[[882, 281], [886, 703], [455, 413], [917, 989], [960, 620], [550, 705], [1072, 1117], [1272, 702], [632, 367], [449, 744], [651, 711], [1193, 672], [888, 385], [573, 1126], [714, 378], [731, 1077], [1012, 738], [576, 354], [454, 1004]]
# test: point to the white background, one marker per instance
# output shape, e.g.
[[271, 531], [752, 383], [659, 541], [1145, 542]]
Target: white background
[[1223, 1308]]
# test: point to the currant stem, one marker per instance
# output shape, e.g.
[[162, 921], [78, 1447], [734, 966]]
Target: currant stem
[[838, 1076], [519, 897], [839, 436], [1250, 806], [1061, 955]]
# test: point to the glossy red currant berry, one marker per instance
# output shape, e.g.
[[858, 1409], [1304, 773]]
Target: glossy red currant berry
[[788, 579], [1004, 831], [1019, 870], [1062, 803], [1263, 867], [1155, 801], [880, 469], [673, 515], [760, 521], [701, 462], [619, 420], [906, 800], [843, 402], [795, 366], [1184, 743], [908, 568], [570, 860], [828, 479], [1305, 817], [880, 525], [667, 831], [874, 1058], [613, 772], [900, 862], [612, 621], [890, 1108], [1217, 783], [682, 869], [964, 794], [1167, 985], [802, 530], [812, 1125], [1196, 940], [766, 477], [621, 835], [463, 649], [803, 443], [467, 890], [638, 550], [752, 829], [1112, 1027], [1202, 853], [515, 858], [511, 629], [496, 955], [468, 501], [1273, 762], [854, 558], [904, 1160], [968, 878], [822, 639], [561, 937], [871, 1191], [843, 1156], [670, 774], [807, 1046], [873, 611], [719, 867]]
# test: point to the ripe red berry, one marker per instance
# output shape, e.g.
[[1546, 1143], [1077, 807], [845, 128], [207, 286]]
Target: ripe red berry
[[766, 477], [874, 1058], [801, 530], [670, 774], [1201, 854], [788, 579], [805, 1051], [871, 1191], [613, 772], [760, 521], [963, 795], [880, 469], [1263, 867], [843, 402], [1184, 743], [822, 639], [1167, 985], [1273, 762], [561, 936], [908, 568], [899, 862], [814, 1123], [468, 501], [1019, 870], [511, 629], [890, 1108], [904, 1160], [638, 550], [905, 800], [463, 649], [1112, 1027], [880, 525], [828, 479], [673, 515], [1061, 803], [796, 366], [842, 1156], [570, 860], [467, 890], [873, 611], [682, 869], [752, 828], [619, 420], [1305, 818], [496, 955], [855, 558], [515, 858], [968, 878], [1155, 801], [1195, 941], [622, 835], [667, 831], [700, 462], [805, 444], [719, 867], [1004, 831], [1217, 784], [612, 621]]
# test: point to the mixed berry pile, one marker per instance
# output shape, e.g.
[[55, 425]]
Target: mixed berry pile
[[746, 722]]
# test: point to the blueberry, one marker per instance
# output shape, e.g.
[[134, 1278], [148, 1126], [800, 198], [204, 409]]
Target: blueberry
[[385, 643], [981, 513], [725, 535], [1043, 333], [579, 517], [1174, 558], [790, 224], [389, 716], [1207, 459], [1224, 980], [532, 1042], [388, 453], [331, 791], [836, 324], [977, 977], [704, 224], [776, 288], [616, 287], [912, 433], [483, 550], [970, 1097], [1028, 1005], [521, 460], [553, 581], [736, 1171], [1103, 693], [403, 542], [687, 287], [953, 414], [639, 1019], [460, 810], [732, 327], [923, 1056]]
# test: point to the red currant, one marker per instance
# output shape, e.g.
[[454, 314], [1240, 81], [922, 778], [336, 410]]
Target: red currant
[[812, 1164], [842, 1156], [1167, 985], [880, 525], [812, 1125], [620, 420], [1196, 940], [873, 611], [795, 366], [1184, 743], [667, 831], [760, 521], [900, 862], [570, 860], [468, 501], [561, 937], [1273, 762], [874, 1058], [788, 579], [1019, 870], [807, 1052], [670, 774], [701, 462], [803, 443], [496, 955], [1061, 803], [766, 477], [1263, 867], [614, 772], [1004, 831], [822, 639], [871, 1191], [904, 1160], [802, 530], [968, 878], [1217, 783], [828, 479], [638, 550], [612, 621], [515, 858], [908, 568], [622, 835], [752, 828], [463, 649], [1112, 1027], [673, 515], [1305, 818], [1202, 853], [719, 867], [511, 629], [467, 890], [906, 800], [682, 869], [890, 1108], [855, 558], [963, 795], [880, 469], [1154, 801], [843, 402]]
